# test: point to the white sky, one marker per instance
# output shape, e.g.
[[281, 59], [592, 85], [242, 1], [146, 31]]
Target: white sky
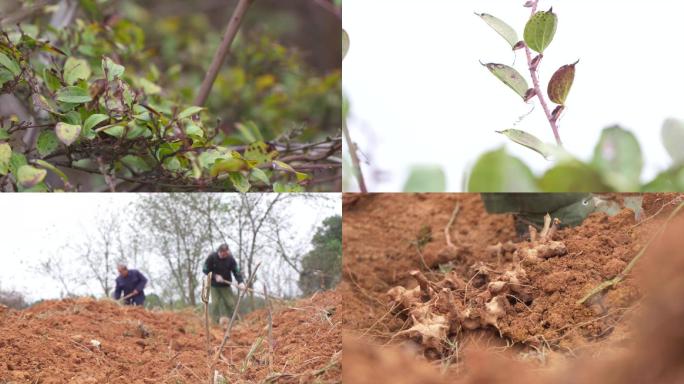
[[419, 95], [35, 226]]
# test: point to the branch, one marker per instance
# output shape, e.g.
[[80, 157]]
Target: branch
[[222, 52], [355, 159], [537, 87], [329, 7]]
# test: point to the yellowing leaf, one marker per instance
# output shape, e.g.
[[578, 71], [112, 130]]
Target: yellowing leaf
[[76, 69], [67, 133], [29, 176]]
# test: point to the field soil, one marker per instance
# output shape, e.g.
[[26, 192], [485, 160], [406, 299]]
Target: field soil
[[85, 340], [420, 310]]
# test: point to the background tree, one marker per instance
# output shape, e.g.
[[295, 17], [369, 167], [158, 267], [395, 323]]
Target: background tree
[[321, 266]]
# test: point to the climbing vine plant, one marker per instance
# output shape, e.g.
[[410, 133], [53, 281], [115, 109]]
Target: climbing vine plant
[[78, 109]]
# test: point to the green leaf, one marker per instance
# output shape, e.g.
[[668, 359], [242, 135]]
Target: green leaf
[[67, 133], [29, 176], [618, 158], [17, 161], [91, 122], [74, 95], [149, 87], [572, 176], [117, 130], [503, 29], [193, 129], [240, 182], [673, 139], [136, 163], [664, 182], [5, 156], [426, 178], [527, 140], [345, 43], [189, 112], [258, 152], [47, 143], [51, 80], [227, 166], [112, 69], [76, 69], [250, 131], [510, 76], [5, 76], [3, 134], [260, 175], [10, 64], [561, 83], [497, 171], [287, 188], [540, 30]]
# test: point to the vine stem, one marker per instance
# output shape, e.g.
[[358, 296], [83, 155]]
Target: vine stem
[[222, 51], [537, 86]]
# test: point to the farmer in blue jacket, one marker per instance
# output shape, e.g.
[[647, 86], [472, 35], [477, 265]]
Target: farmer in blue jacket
[[132, 283]]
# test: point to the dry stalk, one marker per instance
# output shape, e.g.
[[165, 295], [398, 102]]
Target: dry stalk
[[226, 335], [447, 235], [270, 330], [206, 289]]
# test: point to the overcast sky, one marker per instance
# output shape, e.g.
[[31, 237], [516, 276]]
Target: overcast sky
[[35, 226], [419, 95]]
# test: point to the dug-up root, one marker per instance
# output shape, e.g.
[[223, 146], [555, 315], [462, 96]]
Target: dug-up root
[[438, 312]]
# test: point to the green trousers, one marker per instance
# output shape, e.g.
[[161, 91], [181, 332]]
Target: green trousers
[[222, 303]]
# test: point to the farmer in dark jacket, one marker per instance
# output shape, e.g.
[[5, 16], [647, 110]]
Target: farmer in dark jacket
[[222, 265], [131, 283]]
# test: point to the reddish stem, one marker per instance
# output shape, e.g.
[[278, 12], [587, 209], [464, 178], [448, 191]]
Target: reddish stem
[[537, 86]]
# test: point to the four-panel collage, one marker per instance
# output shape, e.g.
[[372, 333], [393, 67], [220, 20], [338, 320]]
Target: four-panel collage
[[306, 191]]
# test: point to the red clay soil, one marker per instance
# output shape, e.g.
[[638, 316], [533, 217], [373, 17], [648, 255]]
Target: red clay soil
[[98, 341], [541, 337]]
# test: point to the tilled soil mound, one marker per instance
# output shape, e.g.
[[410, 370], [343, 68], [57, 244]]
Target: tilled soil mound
[[98, 341], [392, 240]]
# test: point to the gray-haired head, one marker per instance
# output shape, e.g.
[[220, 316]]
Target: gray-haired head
[[123, 269], [223, 250]]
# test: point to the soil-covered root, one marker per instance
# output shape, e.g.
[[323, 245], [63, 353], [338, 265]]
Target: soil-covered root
[[439, 311]]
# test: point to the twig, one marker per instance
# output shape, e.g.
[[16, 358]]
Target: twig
[[226, 335], [270, 330], [224, 48], [206, 289], [621, 276], [107, 177], [537, 87], [356, 163], [330, 7], [449, 224]]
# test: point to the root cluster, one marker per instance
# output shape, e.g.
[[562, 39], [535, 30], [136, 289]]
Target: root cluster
[[438, 312]]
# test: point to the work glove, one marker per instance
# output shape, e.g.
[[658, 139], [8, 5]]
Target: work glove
[[241, 286], [220, 279]]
